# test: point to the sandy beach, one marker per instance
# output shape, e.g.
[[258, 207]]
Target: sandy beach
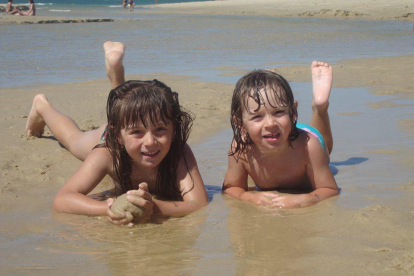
[[366, 231], [371, 10], [399, 9]]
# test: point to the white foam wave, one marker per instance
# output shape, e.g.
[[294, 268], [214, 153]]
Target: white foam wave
[[43, 4], [115, 6], [60, 10]]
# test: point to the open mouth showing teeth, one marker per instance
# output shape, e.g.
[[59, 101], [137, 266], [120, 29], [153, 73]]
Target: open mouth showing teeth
[[272, 136], [150, 153]]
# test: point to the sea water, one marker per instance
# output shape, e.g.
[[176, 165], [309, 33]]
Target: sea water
[[95, 8], [196, 45]]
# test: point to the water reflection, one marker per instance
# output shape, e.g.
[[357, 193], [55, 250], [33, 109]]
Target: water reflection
[[145, 248]]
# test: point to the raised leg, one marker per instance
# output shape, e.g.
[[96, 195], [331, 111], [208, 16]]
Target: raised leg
[[322, 77], [114, 55], [65, 130]]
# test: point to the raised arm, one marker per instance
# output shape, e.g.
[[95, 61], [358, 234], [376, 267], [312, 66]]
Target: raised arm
[[72, 197]]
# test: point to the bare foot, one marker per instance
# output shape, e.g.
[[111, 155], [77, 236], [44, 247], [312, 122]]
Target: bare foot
[[322, 77], [35, 125], [114, 55]]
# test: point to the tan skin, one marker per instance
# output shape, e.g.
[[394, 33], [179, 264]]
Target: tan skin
[[147, 147], [274, 165], [305, 166], [72, 197]]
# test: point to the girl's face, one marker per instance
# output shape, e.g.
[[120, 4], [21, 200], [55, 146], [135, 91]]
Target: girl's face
[[269, 125], [147, 146]]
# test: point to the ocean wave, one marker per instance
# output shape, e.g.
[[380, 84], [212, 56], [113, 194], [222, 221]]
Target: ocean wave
[[115, 6], [43, 4], [60, 10]]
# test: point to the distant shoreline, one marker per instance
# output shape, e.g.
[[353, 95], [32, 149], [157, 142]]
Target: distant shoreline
[[15, 20], [372, 10], [362, 9]]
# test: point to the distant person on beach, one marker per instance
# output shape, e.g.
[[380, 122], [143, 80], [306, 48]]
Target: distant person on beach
[[30, 12], [9, 7], [124, 3], [142, 147], [273, 149], [131, 4]]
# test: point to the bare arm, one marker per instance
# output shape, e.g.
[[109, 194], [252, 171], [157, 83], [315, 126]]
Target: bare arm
[[192, 187], [72, 198]]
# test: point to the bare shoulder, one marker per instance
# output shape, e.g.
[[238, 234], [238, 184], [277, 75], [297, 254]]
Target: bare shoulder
[[99, 158], [188, 163], [189, 178], [236, 174], [239, 158]]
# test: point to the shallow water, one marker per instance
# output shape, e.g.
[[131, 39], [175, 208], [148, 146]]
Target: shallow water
[[229, 237], [190, 45]]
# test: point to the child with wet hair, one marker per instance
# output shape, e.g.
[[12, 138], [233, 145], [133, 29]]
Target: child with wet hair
[[142, 147], [269, 145]]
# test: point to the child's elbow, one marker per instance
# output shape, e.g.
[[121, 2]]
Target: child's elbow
[[57, 204], [332, 193], [199, 204]]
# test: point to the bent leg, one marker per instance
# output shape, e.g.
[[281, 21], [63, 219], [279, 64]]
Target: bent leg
[[65, 130], [114, 55], [322, 77]]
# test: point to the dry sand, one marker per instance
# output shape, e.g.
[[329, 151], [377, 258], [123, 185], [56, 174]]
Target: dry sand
[[370, 9]]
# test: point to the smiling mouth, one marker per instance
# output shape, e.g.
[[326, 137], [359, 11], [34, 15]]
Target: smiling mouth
[[150, 153], [272, 136]]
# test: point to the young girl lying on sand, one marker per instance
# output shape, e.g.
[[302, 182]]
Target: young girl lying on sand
[[142, 147], [270, 147]]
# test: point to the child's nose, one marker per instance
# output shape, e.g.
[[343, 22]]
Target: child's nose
[[149, 139], [270, 121]]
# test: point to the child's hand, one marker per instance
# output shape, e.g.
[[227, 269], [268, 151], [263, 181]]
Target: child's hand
[[289, 201], [263, 198], [116, 219], [142, 198]]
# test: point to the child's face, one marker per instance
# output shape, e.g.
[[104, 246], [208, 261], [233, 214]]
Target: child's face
[[269, 126], [147, 146]]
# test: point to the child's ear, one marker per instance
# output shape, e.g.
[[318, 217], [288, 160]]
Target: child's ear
[[296, 104]]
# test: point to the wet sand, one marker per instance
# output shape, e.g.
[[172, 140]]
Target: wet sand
[[12, 20], [367, 230], [34, 169]]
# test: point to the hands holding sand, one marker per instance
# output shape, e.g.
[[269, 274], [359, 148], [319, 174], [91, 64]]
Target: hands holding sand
[[136, 206]]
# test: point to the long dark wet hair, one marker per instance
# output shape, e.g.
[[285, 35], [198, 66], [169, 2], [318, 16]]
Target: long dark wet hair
[[147, 103], [276, 90]]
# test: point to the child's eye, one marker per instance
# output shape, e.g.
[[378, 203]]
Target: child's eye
[[256, 117], [161, 129], [279, 112], [137, 132]]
